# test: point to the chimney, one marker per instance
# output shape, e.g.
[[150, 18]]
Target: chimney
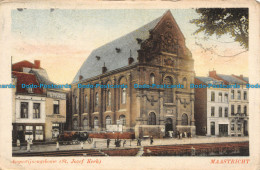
[[37, 64], [104, 69], [130, 59], [241, 76], [212, 73], [80, 77]]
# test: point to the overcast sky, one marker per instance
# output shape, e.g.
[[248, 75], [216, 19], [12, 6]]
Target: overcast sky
[[62, 39]]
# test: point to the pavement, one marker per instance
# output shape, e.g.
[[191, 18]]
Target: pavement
[[101, 143]]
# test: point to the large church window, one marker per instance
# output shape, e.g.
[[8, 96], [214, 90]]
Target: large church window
[[96, 99], [95, 122], [152, 77], [85, 123], [168, 91], [184, 82], [122, 120], [108, 97], [152, 119], [123, 101], [184, 119], [75, 124]]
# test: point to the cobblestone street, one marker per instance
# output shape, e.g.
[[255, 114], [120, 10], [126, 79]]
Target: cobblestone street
[[101, 143]]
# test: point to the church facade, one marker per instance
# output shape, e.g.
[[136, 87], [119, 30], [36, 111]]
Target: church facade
[[154, 54]]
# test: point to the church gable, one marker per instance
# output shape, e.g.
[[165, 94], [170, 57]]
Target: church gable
[[165, 37]]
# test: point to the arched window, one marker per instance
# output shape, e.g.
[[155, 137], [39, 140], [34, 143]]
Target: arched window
[[123, 101], [108, 97], [75, 102], [96, 99], [122, 120], [184, 119], [108, 120], [168, 91], [95, 122], [85, 123], [86, 103], [184, 82], [152, 119], [75, 124], [152, 78]]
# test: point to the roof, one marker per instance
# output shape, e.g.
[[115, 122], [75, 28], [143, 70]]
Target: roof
[[231, 79], [27, 79], [109, 54], [246, 79], [209, 80], [41, 76], [23, 64]]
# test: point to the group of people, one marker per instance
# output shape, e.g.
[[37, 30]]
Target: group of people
[[183, 135], [117, 142]]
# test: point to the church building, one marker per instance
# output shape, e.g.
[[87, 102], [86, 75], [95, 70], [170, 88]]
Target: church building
[[154, 54]]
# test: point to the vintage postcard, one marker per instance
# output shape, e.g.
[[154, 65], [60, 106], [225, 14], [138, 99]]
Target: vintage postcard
[[130, 85]]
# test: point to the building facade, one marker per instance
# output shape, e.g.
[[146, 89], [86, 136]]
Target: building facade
[[211, 108], [29, 109], [222, 111], [238, 103], [38, 113], [154, 54]]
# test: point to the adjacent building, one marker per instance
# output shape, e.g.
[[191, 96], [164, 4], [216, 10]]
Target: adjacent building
[[153, 54], [222, 111], [38, 113], [238, 102], [211, 108]]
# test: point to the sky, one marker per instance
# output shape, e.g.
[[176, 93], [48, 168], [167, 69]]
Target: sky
[[63, 39]]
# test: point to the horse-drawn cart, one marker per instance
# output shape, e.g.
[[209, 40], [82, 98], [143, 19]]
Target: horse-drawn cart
[[73, 137]]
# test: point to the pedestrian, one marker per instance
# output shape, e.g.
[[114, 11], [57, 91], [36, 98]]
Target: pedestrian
[[140, 144], [18, 143], [137, 140], [151, 140], [124, 143], [108, 142], [29, 142], [81, 144], [178, 134], [57, 145]]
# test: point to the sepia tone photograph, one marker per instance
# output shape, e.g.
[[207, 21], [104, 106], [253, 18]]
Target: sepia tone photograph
[[130, 82]]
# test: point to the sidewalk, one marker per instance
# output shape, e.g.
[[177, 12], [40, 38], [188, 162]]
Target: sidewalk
[[101, 143]]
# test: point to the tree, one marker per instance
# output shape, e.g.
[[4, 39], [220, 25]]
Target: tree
[[220, 21]]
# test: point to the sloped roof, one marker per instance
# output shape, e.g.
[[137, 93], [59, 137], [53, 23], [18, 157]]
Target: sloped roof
[[231, 79], [22, 64], [42, 76], [109, 55], [209, 80], [246, 79], [27, 79]]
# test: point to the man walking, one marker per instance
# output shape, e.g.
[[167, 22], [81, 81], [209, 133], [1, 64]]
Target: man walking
[[151, 140], [108, 142]]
